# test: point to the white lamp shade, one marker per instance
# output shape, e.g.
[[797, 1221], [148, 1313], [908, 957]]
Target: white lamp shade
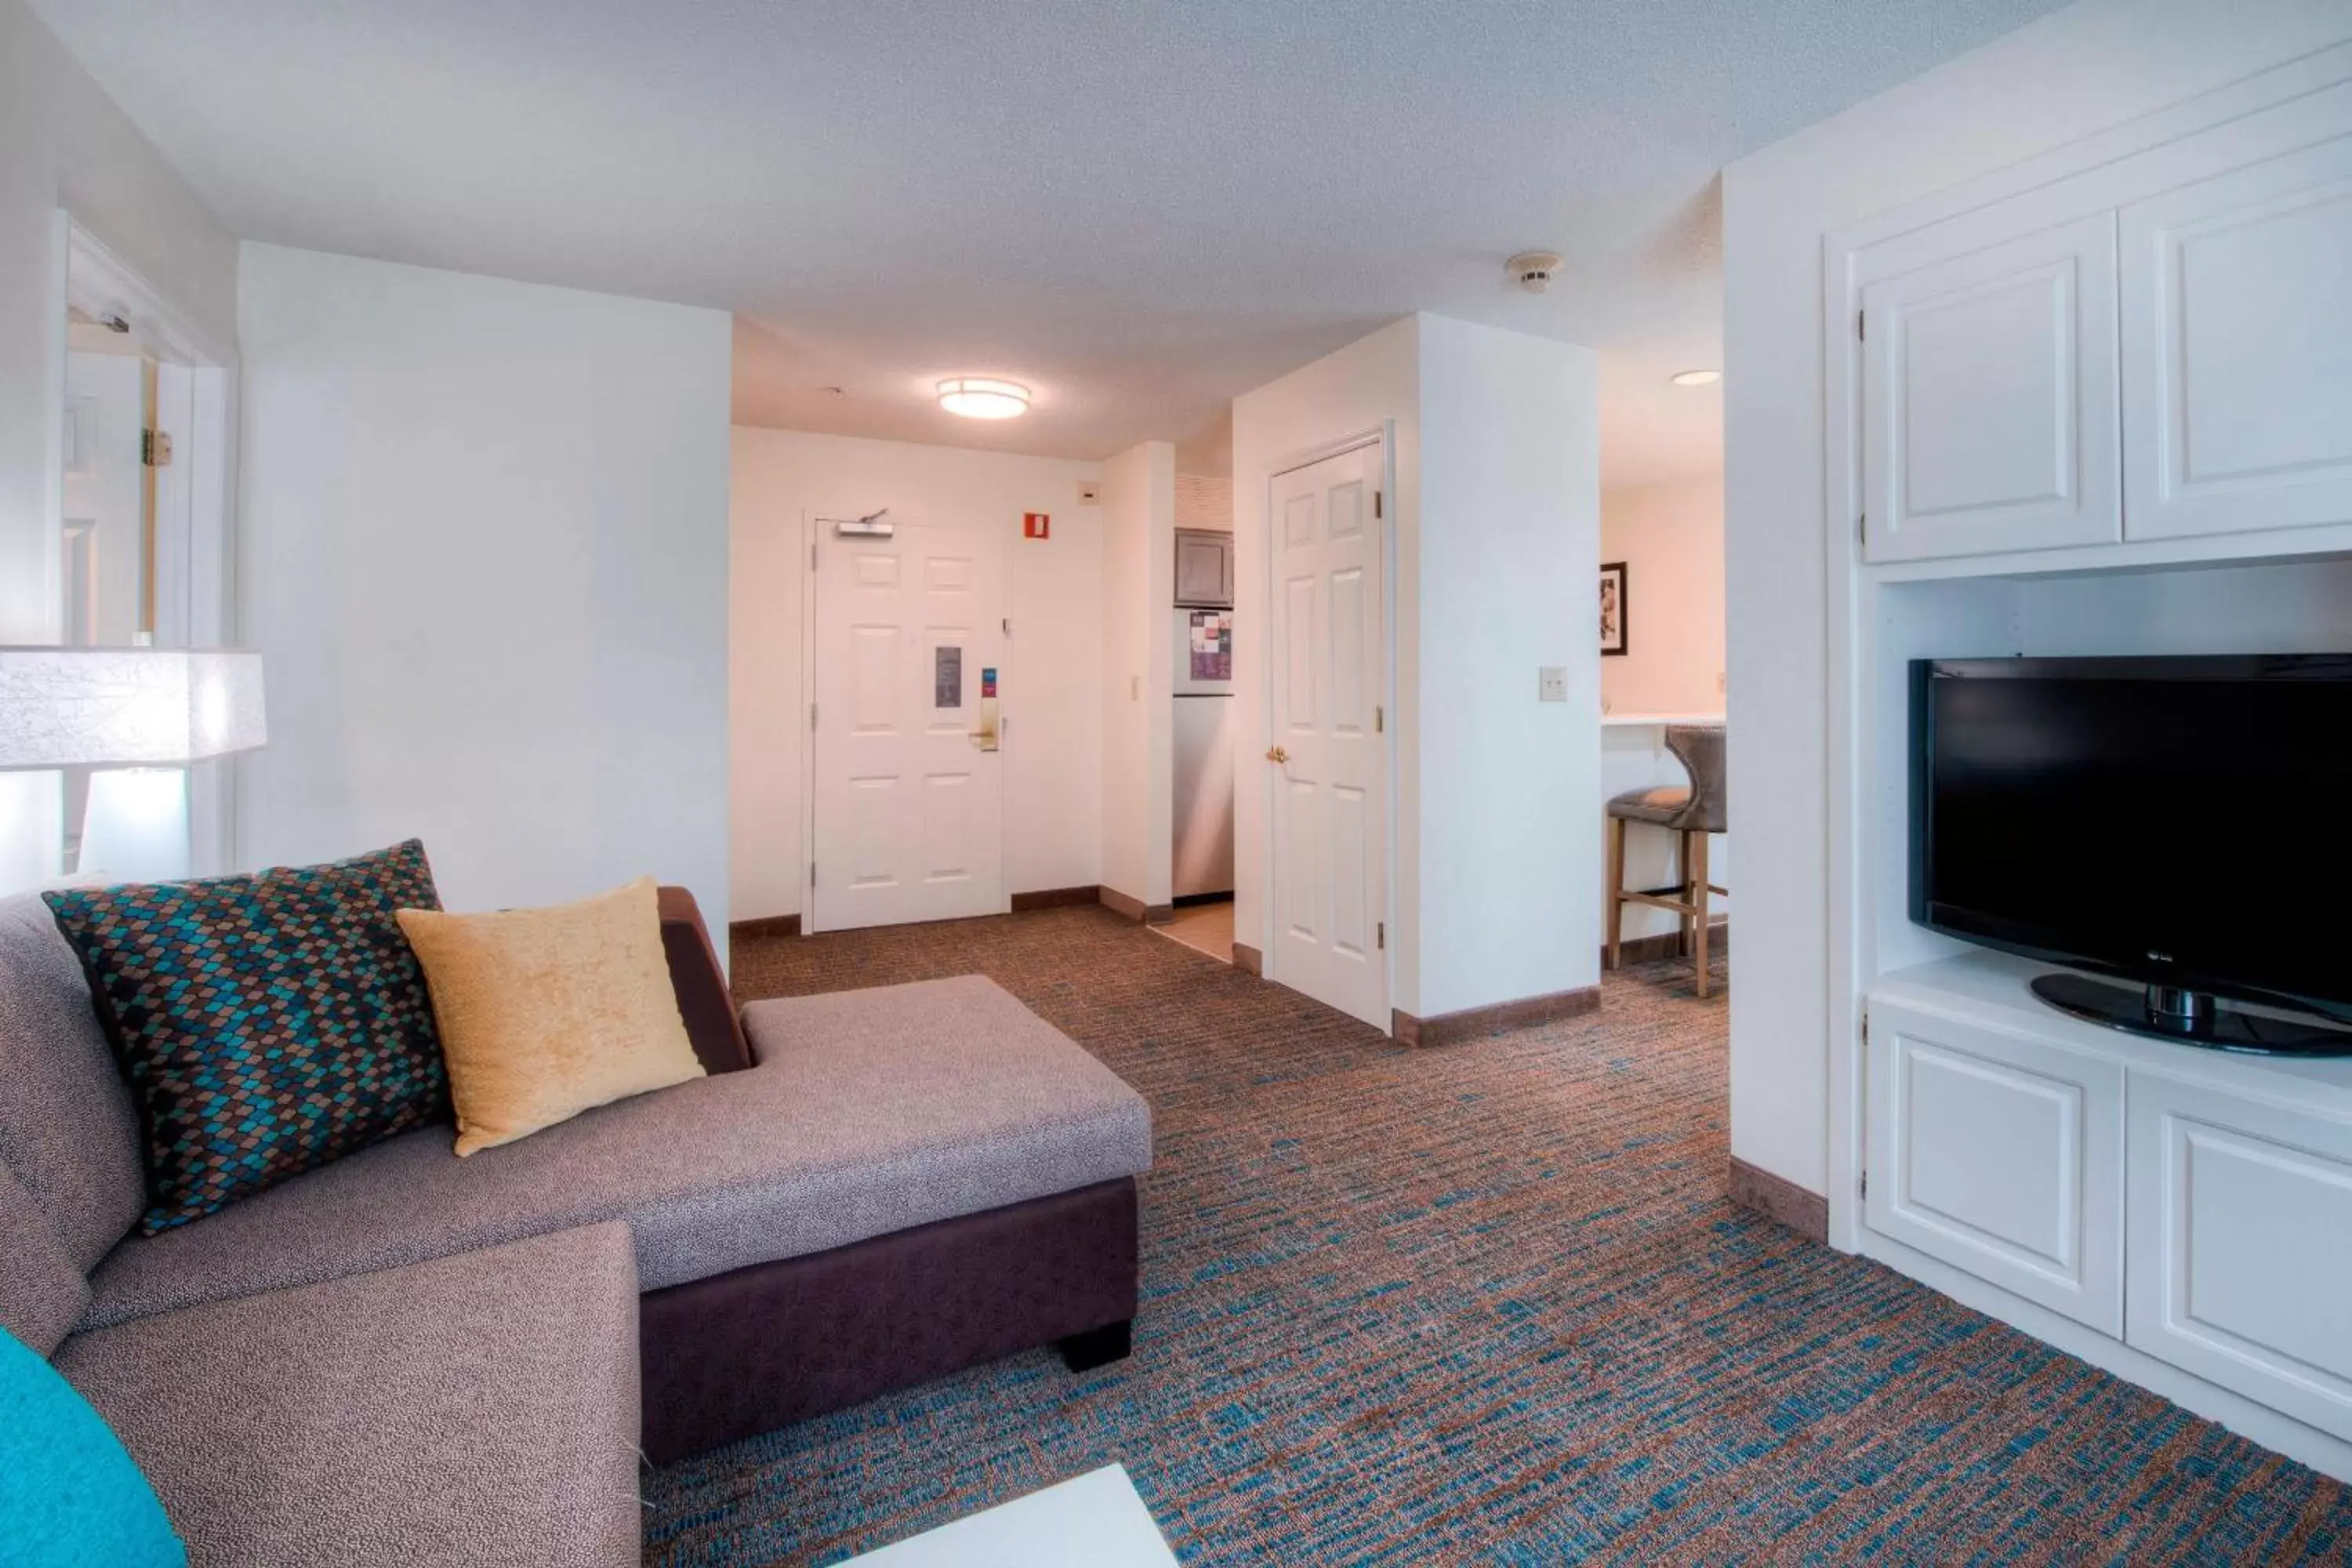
[[126, 707]]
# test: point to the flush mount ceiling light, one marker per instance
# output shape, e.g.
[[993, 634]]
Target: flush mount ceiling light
[[1695, 377], [977, 397]]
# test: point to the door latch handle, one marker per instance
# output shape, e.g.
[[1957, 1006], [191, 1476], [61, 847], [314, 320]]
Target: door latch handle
[[1276, 754]]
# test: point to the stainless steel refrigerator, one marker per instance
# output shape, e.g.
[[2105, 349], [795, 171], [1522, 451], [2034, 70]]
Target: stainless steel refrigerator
[[1202, 731]]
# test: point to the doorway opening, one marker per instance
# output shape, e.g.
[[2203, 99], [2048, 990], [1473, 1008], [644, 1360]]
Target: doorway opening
[[1204, 629], [141, 547]]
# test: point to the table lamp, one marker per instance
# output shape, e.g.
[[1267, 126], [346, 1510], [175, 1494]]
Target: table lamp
[[138, 716]]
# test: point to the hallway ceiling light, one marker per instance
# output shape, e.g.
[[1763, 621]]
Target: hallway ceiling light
[[976, 397], [1695, 377]]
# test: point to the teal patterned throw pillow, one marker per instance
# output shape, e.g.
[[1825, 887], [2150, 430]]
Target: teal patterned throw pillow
[[266, 1024]]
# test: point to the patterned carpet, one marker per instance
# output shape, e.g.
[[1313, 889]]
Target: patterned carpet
[[1484, 1304]]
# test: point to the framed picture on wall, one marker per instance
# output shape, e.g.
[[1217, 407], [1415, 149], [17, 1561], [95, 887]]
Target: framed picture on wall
[[1613, 607]]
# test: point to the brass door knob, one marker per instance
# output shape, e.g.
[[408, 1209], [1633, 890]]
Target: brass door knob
[[1276, 754]]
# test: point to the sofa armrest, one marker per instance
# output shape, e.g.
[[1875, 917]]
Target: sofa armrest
[[703, 999]]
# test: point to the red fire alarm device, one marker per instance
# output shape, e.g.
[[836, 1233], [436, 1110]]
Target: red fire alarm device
[[1037, 525]]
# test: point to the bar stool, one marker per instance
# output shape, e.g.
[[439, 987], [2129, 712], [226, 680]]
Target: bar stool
[[1693, 812]]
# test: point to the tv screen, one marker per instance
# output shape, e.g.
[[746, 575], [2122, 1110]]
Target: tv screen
[[2174, 822]]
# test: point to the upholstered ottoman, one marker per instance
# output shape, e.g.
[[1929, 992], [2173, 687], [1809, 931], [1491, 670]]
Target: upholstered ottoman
[[961, 1187]]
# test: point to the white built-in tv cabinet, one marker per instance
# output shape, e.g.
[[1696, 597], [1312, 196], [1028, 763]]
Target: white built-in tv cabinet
[[2099, 403]]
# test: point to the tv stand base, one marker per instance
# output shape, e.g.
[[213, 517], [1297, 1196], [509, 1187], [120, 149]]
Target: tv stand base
[[2191, 1018]]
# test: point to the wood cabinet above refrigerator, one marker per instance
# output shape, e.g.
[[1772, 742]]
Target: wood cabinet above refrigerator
[[1204, 569]]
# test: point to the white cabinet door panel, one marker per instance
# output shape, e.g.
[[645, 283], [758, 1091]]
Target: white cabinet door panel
[[2002, 1155], [2237, 341], [2241, 1246], [1989, 393]]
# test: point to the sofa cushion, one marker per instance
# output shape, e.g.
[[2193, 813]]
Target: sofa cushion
[[268, 1024], [867, 1112], [66, 1127], [42, 1290], [480, 1409]]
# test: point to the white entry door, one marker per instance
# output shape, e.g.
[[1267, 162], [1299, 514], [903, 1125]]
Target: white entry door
[[1330, 751], [910, 806]]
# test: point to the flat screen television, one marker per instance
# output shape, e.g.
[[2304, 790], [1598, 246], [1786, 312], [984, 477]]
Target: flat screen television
[[2181, 824]]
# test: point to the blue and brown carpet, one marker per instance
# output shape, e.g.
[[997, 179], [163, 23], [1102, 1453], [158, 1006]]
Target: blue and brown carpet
[[1484, 1304]]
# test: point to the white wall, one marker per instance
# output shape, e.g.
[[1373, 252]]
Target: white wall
[[63, 143], [1052, 683], [1670, 536], [1495, 518], [767, 724], [1138, 589], [1508, 532], [1361, 387], [2080, 71], [485, 559]]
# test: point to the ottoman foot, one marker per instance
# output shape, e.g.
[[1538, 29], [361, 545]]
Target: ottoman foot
[[1098, 1347]]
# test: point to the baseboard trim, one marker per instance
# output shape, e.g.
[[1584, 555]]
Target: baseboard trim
[[767, 925], [1248, 960], [1056, 898], [1778, 1198], [1669, 945], [1447, 1028], [1135, 908]]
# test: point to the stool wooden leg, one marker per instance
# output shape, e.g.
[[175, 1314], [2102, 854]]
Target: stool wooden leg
[[1682, 918], [1616, 888], [1698, 847]]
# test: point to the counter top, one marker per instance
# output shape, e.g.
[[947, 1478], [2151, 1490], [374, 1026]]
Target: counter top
[[1617, 720]]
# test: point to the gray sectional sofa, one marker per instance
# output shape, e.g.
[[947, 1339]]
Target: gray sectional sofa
[[405, 1356]]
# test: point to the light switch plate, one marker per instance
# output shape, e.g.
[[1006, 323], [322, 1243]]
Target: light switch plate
[[1551, 683]]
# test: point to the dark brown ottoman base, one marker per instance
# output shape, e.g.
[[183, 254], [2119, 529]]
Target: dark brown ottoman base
[[748, 1352]]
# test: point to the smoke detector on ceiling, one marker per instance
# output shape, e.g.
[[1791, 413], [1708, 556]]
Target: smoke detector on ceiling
[[1532, 269]]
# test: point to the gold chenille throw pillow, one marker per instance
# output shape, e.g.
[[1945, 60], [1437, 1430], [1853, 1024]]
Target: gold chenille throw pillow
[[545, 1013]]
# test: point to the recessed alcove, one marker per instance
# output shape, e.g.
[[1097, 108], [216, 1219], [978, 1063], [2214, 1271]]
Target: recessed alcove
[[2096, 1187]]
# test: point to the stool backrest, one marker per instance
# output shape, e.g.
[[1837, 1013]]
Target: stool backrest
[[1699, 748]]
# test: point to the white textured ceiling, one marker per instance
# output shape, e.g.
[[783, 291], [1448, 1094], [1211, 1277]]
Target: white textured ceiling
[[1139, 209]]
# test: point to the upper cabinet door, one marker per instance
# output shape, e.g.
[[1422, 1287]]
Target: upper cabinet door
[[1988, 418], [1204, 568], [2237, 344]]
